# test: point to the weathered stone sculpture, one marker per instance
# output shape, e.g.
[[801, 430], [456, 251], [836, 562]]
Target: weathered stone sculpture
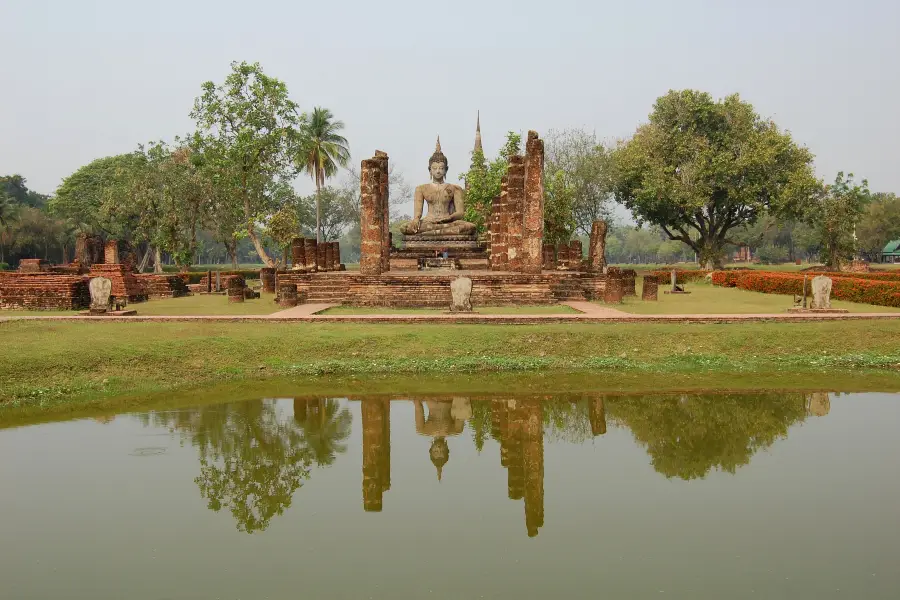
[[821, 289], [461, 293], [446, 204], [100, 288]]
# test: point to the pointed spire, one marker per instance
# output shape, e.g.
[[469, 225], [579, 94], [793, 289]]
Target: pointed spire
[[478, 147], [437, 146]]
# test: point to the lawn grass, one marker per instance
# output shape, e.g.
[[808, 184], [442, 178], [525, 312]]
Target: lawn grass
[[198, 304], [540, 309], [705, 298], [56, 366]]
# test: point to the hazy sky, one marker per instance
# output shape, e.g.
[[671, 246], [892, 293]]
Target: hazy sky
[[84, 79]]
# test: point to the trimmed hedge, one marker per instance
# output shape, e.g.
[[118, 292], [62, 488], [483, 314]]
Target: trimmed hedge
[[682, 275], [851, 289], [876, 275]]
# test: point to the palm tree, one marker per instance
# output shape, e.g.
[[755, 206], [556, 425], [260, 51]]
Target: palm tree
[[322, 153]]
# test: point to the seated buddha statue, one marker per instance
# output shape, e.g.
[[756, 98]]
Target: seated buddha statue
[[446, 204]]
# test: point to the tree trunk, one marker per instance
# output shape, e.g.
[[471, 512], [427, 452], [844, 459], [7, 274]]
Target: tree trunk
[[318, 211], [145, 260], [251, 233], [231, 248], [157, 260], [711, 254]]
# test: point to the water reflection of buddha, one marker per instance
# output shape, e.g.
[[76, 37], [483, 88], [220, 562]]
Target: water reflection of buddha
[[445, 418]]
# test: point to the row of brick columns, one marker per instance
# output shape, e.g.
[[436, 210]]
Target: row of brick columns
[[375, 249], [307, 255]]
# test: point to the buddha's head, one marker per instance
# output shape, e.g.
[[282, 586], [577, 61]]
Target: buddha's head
[[440, 454], [437, 164]]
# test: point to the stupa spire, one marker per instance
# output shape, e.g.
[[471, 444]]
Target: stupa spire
[[437, 146], [478, 147]]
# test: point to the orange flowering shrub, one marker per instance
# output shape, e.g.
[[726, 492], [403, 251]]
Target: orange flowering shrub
[[851, 289]]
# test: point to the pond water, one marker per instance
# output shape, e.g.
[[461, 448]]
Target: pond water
[[764, 495]]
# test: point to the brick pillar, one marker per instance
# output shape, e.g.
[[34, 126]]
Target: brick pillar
[[111, 252], [533, 208], [321, 256], [384, 198], [499, 225], [267, 277], [329, 255], [209, 282], [336, 256], [371, 259], [298, 258], [515, 201], [650, 291], [549, 257], [375, 448], [309, 254], [576, 254], [597, 247]]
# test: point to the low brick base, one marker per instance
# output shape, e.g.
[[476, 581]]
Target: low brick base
[[43, 291], [163, 286], [432, 290]]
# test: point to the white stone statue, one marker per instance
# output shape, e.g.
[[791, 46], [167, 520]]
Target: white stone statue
[[461, 292], [100, 288], [821, 290]]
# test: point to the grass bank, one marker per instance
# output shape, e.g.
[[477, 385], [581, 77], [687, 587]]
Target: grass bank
[[56, 366]]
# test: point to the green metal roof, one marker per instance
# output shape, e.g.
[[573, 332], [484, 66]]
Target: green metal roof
[[892, 247]]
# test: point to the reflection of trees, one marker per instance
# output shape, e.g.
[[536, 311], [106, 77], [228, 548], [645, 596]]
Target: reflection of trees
[[325, 426], [251, 459], [687, 436]]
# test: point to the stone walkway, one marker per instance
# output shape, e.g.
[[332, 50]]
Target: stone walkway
[[588, 313]]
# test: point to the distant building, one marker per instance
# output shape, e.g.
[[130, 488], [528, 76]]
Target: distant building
[[742, 254], [891, 252]]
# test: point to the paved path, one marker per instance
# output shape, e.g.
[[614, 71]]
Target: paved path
[[589, 313]]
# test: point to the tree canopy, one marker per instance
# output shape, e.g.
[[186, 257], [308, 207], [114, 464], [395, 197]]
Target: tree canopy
[[701, 168]]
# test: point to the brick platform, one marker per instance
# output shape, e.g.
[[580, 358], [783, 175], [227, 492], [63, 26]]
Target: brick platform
[[424, 289], [43, 291]]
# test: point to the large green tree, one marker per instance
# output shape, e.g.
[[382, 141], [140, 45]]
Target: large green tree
[[701, 168], [840, 210], [253, 130], [482, 180], [879, 224], [585, 166], [323, 151]]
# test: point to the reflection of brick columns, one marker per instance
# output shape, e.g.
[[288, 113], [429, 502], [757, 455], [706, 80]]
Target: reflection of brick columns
[[533, 208], [500, 429], [597, 416], [371, 261], [819, 404], [597, 247], [515, 479], [309, 254], [515, 177], [376, 452], [384, 190], [533, 463], [111, 252]]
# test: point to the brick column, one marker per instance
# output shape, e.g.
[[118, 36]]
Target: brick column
[[533, 209], [650, 289], [329, 256], [111, 252], [515, 201], [371, 259], [597, 247], [309, 254], [335, 256], [384, 198], [576, 254], [298, 257], [499, 225]]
